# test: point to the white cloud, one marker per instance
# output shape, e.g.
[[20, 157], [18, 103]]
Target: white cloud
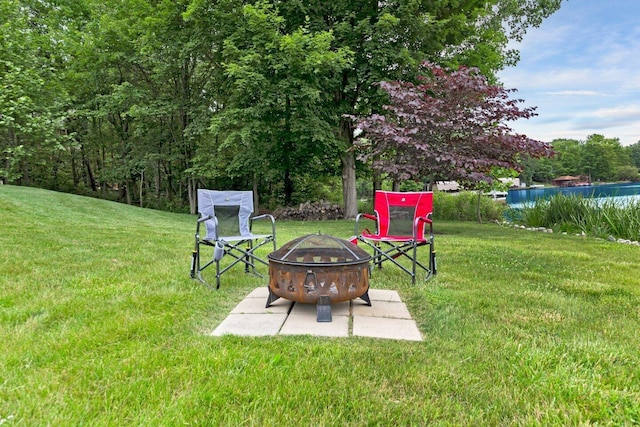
[[580, 68], [613, 117], [577, 93]]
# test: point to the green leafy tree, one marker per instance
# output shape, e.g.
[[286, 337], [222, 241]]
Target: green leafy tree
[[570, 157], [601, 157], [390, 39], [276, 117], [633, 151], [32, 96]]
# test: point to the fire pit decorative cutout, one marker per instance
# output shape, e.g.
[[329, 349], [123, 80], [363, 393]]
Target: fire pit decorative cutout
[[319, 269]]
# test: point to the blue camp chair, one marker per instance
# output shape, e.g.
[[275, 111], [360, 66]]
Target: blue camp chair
[[227, 217]]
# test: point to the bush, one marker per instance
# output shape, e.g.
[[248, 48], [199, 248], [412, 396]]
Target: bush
[[463, 207]]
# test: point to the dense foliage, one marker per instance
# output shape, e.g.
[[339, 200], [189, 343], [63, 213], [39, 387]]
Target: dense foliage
[[597, 159], [144, 101], [464, 206]]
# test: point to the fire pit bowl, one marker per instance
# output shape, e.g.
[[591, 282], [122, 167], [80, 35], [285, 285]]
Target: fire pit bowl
[[319, 269]]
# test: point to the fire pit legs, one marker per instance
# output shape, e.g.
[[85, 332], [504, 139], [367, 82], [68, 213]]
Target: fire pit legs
[[323, 309], [323, 306], [271, 298], [365, 298]]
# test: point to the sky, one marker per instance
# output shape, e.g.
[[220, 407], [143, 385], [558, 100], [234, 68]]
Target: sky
[[581, 69]]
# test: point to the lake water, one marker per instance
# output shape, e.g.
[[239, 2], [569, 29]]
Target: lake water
[[622, 193]]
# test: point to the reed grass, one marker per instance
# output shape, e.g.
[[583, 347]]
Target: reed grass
[[101, 325], [573, 213]]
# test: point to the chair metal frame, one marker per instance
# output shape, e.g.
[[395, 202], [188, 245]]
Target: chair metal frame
[[241, 246], [391, 242]]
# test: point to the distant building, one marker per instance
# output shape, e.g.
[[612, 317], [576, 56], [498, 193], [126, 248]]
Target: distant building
[[448, 186], [511, 182], [571, 181], [565, 181]]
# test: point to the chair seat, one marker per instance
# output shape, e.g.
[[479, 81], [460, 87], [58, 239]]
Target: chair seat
[[238, 238], [377, 238]]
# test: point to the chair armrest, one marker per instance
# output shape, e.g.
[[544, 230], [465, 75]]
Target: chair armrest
[[365, 216], [202, 219], [265, 216], [270, 218], [420, 222]]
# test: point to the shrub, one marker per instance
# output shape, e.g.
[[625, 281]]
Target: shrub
[[463, 207]]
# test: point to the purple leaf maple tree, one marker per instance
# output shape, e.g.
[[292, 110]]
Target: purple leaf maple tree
[[450, 125]]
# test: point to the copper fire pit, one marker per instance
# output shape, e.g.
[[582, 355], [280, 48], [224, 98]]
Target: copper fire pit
[[319, 269]]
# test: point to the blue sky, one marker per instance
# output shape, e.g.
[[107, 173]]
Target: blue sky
[[581, 68]]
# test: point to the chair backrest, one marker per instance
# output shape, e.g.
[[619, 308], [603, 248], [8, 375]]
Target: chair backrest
[[232, 209], [397, 211]]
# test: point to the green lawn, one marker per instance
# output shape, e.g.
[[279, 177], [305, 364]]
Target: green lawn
[[100, 325]]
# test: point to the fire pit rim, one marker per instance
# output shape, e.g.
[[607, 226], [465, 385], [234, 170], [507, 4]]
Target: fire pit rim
[[360, 256]]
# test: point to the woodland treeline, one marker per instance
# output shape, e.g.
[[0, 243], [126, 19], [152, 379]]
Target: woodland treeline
[[145, 101], [598, 158]]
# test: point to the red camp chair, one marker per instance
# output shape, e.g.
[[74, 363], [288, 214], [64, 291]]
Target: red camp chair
[[401, 227]]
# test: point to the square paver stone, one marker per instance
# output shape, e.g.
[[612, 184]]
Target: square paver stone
[[384, 295], [258, 305], [396, 310], [261, 292], [251, 324], [381, 327], [303, 321]]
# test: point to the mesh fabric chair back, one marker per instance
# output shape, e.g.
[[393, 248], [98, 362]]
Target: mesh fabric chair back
[[397, 212], [232, 209]]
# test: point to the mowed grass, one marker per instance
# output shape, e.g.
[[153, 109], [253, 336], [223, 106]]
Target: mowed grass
[[101, 325]]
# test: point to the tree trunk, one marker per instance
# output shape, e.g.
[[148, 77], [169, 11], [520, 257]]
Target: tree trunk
[[141, 187], [127, 191], [288, 187], [349, 193], [89, 172], [348, 159], [191, 190]]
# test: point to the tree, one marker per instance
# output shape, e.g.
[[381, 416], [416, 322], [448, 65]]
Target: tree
[[31, 99], [276, 117], [601, 157], [450, 124], [390, 40], [634, 154]]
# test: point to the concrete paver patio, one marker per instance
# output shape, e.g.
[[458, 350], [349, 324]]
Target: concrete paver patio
[[387, 318]]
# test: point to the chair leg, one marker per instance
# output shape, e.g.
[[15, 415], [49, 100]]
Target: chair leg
[[247, 260], [434, 269], [414, 260], [194, 264], [218, 274], [409, 250]]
